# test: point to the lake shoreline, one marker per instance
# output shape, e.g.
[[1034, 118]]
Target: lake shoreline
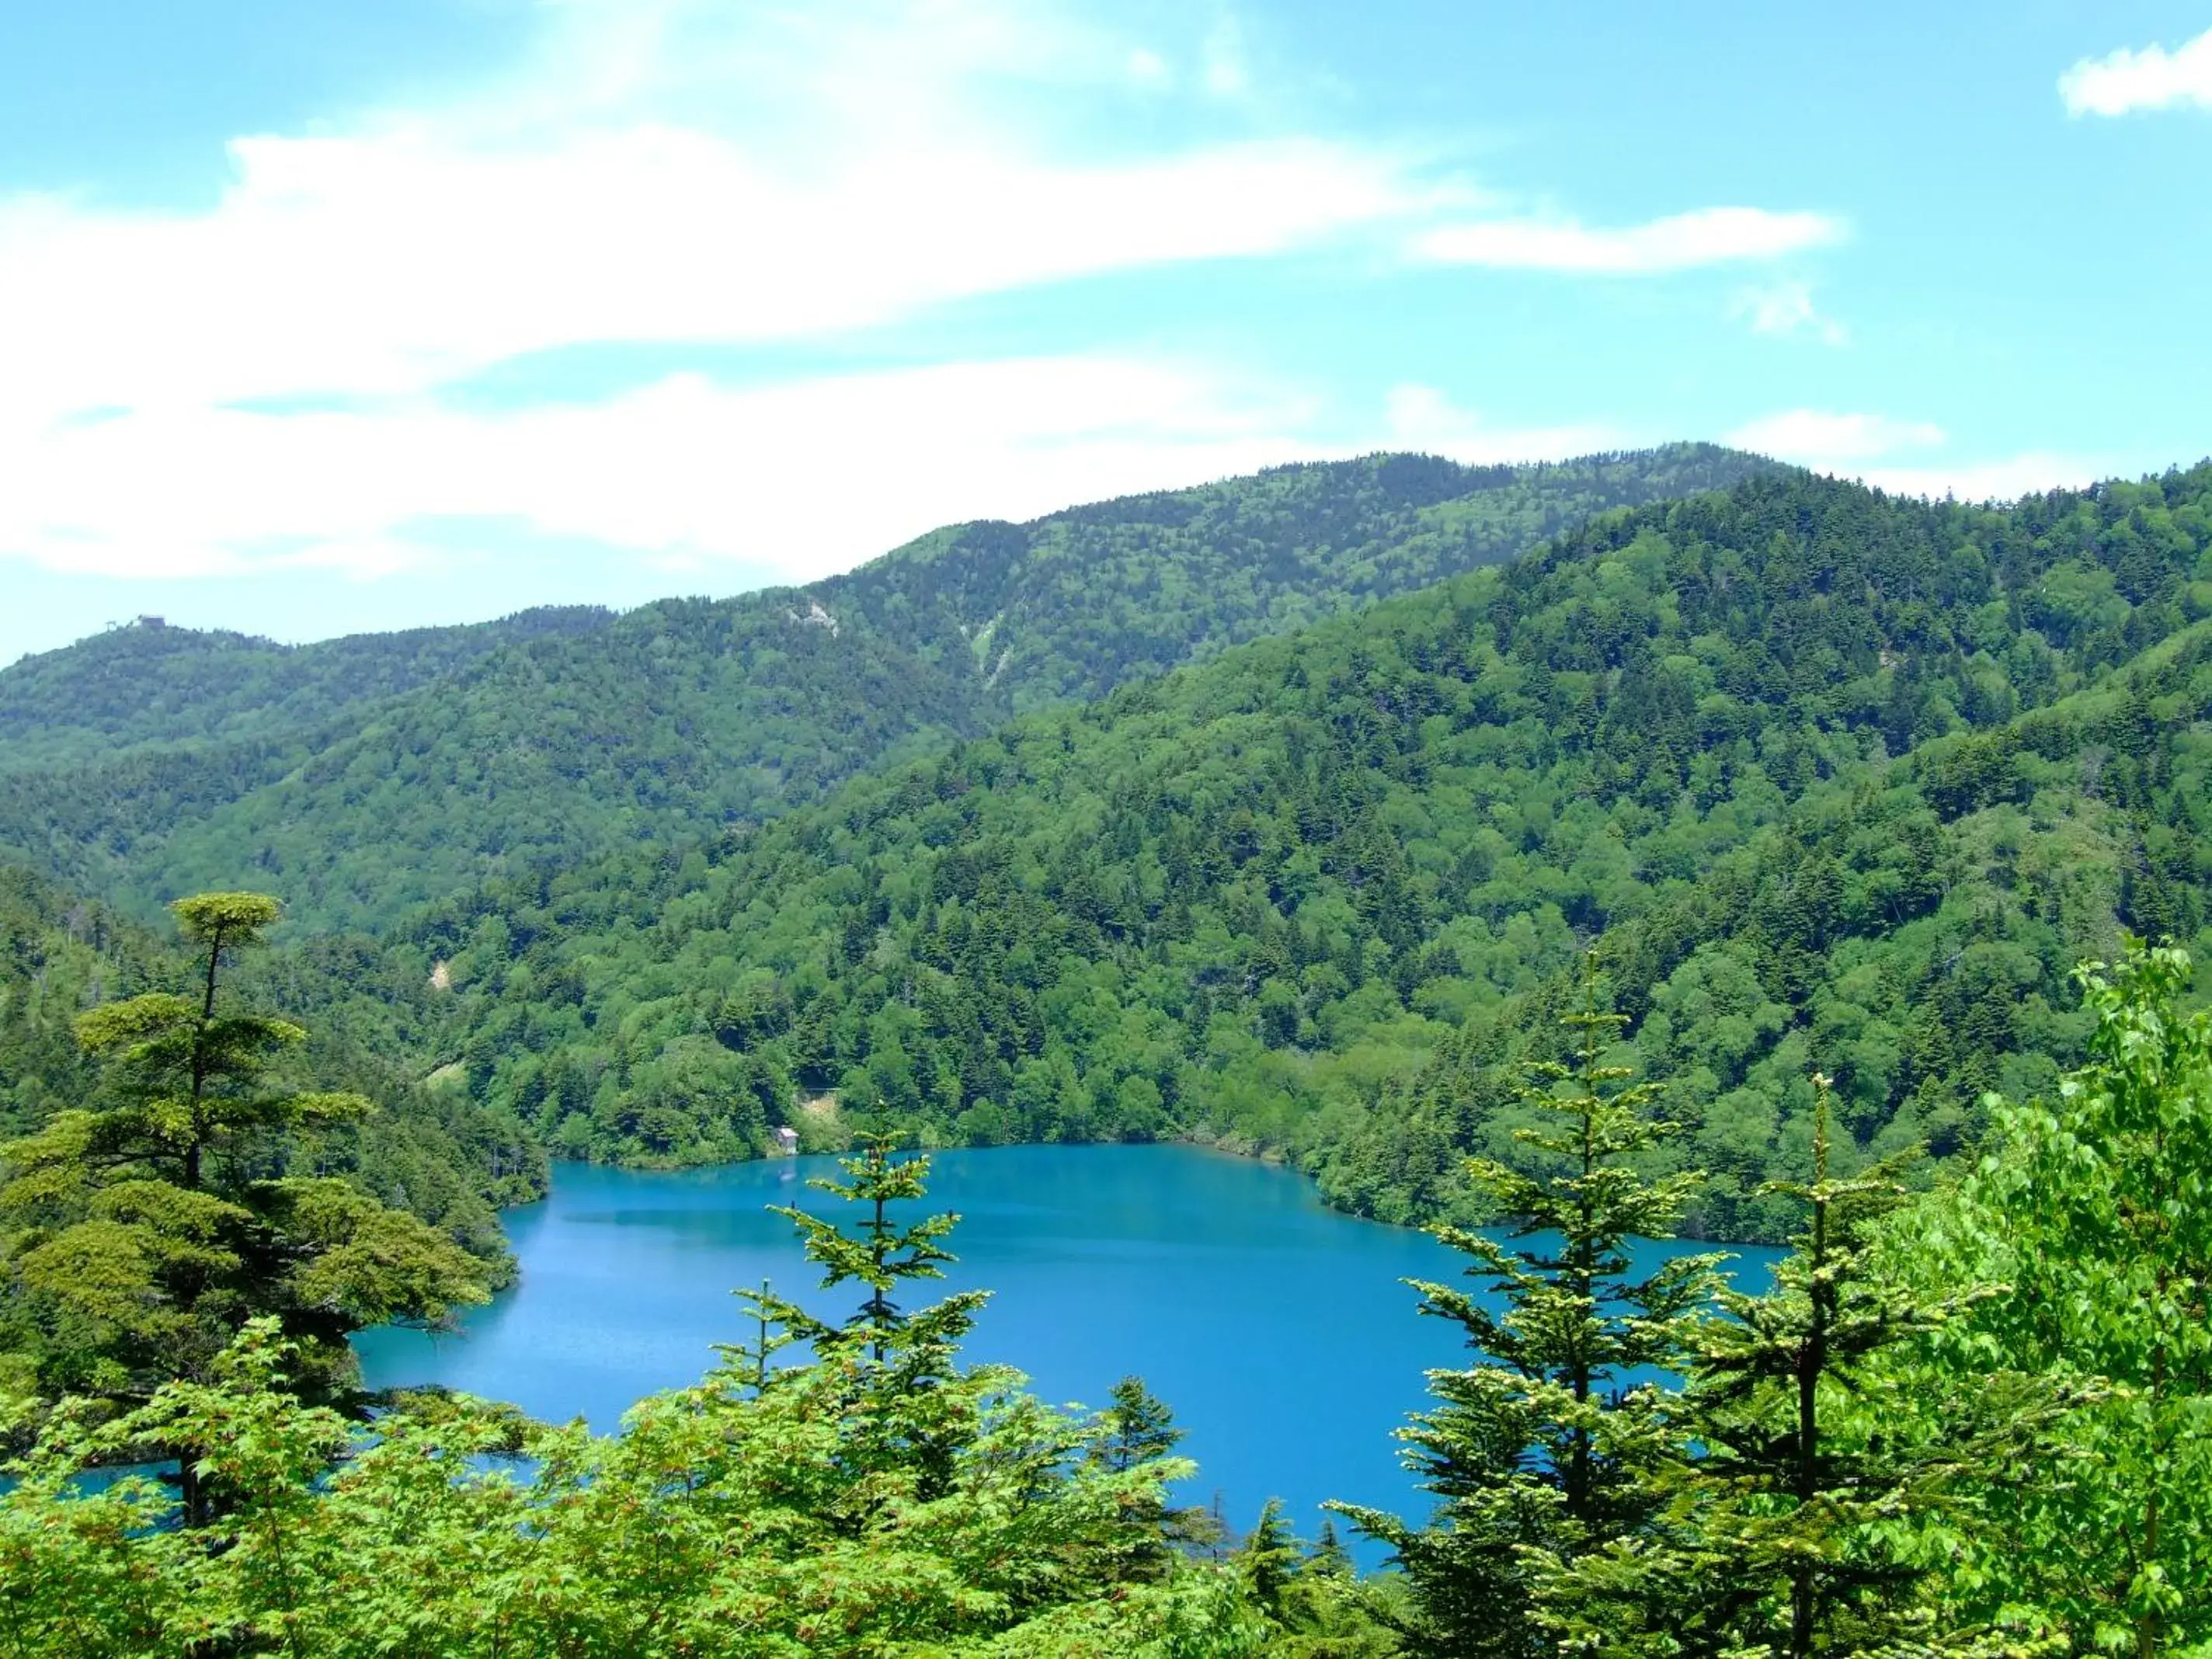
[[1216, 1277], [1271, 1157]]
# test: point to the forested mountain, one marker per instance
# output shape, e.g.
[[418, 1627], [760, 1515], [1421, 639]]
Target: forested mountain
[[1794, 804], [1832, 780], [689, 714], [147, 684], [427, 1149]]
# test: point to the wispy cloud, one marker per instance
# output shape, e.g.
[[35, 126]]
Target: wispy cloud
[[683, 471], [1821, 436], [1422, 417], [869, 172], [1878, 450], [1707, 236], [1786, 308], [2127, 81], [275, 380], [661, 172]]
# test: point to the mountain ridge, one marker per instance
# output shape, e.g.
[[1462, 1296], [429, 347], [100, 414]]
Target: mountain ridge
[[684, 714], [134, 680]]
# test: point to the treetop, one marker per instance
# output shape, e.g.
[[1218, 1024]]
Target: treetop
[[230, 919]]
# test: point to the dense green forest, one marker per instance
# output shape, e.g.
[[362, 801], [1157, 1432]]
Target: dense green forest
[[559, 736], [1724, 866], [1833, 780], [145, 684], [1971, 1424]]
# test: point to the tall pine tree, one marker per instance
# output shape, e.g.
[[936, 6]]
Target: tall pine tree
[[1544, 1444], [1787, 1485], [139, 1234], [881, 1253]]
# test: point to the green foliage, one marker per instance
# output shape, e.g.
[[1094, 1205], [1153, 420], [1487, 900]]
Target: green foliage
[[1777, 1511], [1308, 1595], [843, 1508], [146, 685], [320, 775], [138, 1235], [1791, 755], [881, 1254], [1881, 1454], [1547, 1446], [717, 1522], [1138, 1429], [1809, 783], [57, 958], [2096, 1207], [430, 1151]]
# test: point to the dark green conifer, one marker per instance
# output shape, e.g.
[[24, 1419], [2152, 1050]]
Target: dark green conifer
[[881, 1253], [1142, 1427], [1547, 1442], [1137, 1431], [1789, 1483], [142, 1235]]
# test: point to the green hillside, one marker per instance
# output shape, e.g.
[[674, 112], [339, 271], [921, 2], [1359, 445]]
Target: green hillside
[[147, 684], [689, 714], [1832, 780]]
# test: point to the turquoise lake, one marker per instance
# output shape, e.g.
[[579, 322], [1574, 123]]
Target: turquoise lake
[[1277, 1328]]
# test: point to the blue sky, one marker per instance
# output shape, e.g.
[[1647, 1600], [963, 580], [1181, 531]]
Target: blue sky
[[315, 319]]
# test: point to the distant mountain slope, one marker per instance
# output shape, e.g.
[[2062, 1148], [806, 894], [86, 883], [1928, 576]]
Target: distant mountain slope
[[689, 714], [1067, 608], [148, 684], [1831, 780]]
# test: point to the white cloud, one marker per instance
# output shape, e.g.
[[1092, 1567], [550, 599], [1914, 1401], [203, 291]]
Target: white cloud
[[1865, 447], [1820, 438], [670, 171], [266, 382], [2153, 78], [1786, 308], [400, 261], [1422, 417], [1704, 237], [683, 471], [2002, 480]]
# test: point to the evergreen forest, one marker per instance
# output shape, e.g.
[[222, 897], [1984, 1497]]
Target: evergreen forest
[[1664, 845], [362, 776]]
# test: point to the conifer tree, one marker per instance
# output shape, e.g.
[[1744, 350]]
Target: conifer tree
[[900, 1363], [1310, 1596], [1789, 1483], [1138, 1431], [145, 1232], [1142, 1427], [1545, 1444], [881, 1253]]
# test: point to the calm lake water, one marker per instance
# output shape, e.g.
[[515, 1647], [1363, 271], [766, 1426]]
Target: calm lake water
[[1275, 1327]]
